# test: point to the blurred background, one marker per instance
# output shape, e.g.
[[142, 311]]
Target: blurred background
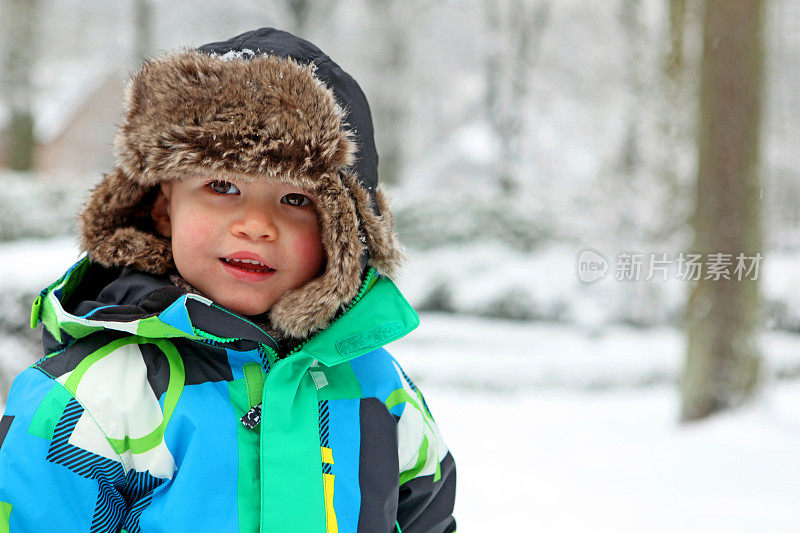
[[531, 149]]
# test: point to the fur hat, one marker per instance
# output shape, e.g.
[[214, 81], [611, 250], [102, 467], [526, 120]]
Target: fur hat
[[268, 105]]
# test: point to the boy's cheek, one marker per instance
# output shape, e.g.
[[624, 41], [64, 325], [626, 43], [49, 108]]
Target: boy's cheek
[[308, 248], [195, 230]]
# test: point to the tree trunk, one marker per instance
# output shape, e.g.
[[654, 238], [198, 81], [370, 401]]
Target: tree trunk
[[306, 17], [677, 26], [677, 115], [723, 361], [630, 160], [390, 105], [300, 11], [18, 19], [515, 28], [143, 31]]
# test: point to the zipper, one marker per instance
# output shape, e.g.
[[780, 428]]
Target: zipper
[[265, 362], [272, 356], [206, 336], [368, 282], [247, 321], [227, 340], [253, 417], [372, 274]]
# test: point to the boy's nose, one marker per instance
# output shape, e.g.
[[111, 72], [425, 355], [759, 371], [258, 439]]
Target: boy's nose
[[256, 223]]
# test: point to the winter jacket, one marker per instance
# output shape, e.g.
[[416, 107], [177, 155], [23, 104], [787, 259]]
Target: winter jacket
[[133, 420]]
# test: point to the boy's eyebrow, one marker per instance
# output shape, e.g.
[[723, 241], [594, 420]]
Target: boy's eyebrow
[[299, 188], [187, 175], [201, 173]]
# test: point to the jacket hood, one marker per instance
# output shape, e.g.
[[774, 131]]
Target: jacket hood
[[269, 106], [90, 298]]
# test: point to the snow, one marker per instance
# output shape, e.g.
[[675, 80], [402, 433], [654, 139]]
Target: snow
[[479, 271], [495, 354], [232, 55], [502, 355], [31, 265], [479, 274], [618, 461]]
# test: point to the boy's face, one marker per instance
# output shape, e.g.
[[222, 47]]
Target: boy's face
[[219, 227]]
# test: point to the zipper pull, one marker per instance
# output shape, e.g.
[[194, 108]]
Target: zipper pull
[[252, 417]]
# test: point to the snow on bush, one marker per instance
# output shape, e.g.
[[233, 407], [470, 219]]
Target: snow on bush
[[34, 206]]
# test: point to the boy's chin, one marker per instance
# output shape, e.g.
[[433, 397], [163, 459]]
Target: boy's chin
[[248, 309]]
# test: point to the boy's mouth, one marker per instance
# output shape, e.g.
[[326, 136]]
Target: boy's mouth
[[248, 265]]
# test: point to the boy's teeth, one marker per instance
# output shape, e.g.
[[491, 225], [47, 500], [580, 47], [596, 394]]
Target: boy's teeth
[[246, 261]]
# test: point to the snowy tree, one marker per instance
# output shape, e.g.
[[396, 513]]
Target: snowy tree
[[723, 360], [676, 125], [143, 30], [389, 106], [515, 27], [305, 14], [300, 11], [17, 21]]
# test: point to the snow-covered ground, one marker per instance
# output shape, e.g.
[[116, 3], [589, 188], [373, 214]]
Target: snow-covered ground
[[558, 427], [617, 461], [33, 264], [556, 430]]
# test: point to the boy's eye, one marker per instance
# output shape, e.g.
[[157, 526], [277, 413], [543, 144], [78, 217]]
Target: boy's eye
[[223, 187], [296, 200]]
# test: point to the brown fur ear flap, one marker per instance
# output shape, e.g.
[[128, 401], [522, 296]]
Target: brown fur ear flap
[[302, 311], [135, 248], [386, 252], [347, 225], [388, 255], [116, 228]]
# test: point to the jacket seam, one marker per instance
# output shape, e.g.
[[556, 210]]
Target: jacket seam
[[99, 427]]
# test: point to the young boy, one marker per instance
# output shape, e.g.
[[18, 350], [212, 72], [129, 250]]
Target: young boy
[[215, 363]]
